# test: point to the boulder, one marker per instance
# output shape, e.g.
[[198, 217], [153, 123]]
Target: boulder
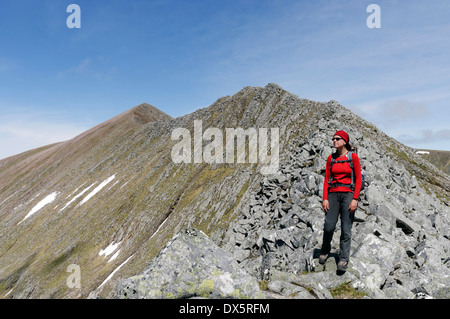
[[191, 265], [377, 258]]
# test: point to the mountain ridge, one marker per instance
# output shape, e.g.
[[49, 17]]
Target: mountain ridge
[[139, 198], [439, 158]]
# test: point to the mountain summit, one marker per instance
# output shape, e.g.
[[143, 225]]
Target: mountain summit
[[107, 201]]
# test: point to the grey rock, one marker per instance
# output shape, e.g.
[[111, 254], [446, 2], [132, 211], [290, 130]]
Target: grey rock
[[393, 290], [191, 265], [283, 289], [393, 218]]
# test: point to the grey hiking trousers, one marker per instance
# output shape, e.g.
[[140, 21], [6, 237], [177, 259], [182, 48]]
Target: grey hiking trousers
[[339, 206]]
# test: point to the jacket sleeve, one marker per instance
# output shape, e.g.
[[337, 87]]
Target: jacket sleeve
[[327, 177], [358, 178]]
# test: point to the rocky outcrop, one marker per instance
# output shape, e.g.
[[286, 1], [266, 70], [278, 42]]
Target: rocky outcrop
[[191, 265], [400, 244]]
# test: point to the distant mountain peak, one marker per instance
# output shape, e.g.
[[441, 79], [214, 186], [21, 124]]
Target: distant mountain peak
[[143, 113]]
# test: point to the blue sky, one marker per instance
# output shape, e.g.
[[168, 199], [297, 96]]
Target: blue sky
[[179, 56]]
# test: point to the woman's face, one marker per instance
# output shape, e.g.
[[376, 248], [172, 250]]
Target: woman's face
[[338, 141]]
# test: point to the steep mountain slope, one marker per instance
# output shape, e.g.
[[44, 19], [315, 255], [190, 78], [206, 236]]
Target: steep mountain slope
[[440, 159], [109, 199]]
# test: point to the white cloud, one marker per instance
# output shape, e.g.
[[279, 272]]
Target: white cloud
[[426, 136], [403, 110], [395, 111], [416, 124]]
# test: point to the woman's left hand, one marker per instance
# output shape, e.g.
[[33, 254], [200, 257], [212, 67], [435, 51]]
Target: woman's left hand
[[353, 206]]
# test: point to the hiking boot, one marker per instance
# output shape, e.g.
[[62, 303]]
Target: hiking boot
[[342, 266], [323, 259]]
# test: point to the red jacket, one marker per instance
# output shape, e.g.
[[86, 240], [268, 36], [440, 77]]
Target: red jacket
[[342, 175]]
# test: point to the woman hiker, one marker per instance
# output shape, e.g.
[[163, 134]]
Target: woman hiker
[[340, 197]]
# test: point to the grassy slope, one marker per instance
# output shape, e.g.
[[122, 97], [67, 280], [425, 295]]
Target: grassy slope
[[440, 159]]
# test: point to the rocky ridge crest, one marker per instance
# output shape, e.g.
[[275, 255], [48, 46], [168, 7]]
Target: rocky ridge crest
[[400, 245], [115, 188], [401, 238]]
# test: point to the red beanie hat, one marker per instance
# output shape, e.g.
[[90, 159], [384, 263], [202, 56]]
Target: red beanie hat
[[344, 135]]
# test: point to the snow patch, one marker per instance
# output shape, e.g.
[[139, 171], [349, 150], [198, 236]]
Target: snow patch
[[158, 228], [33, 198], [79, 195], [97, 189], [113, 185], [75, 190], [47, 200], [109, 250], [114, 256], [8, 292], [6, 199], [115, 270], [124, 185]]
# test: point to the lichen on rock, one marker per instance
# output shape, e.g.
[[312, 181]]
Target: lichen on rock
[[191, 265]]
